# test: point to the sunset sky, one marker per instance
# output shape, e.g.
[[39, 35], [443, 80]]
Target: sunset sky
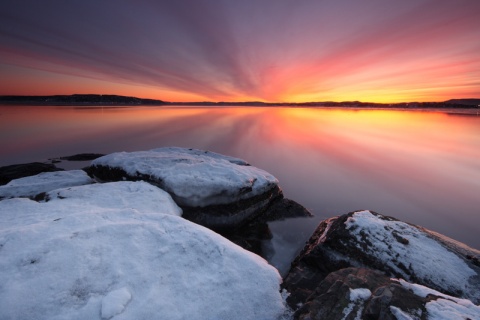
[[231, 50]]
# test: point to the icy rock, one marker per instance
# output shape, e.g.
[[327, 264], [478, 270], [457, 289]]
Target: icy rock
[[359, 293], [120, 250], [399, 249], [43, 182], [213, 190]]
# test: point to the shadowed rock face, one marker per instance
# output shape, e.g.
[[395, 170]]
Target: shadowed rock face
[[252, 235], [16, 171], [398, 249]]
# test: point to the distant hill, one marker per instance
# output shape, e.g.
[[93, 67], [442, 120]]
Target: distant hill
[[79, 99], [467, 102], [115, 100]]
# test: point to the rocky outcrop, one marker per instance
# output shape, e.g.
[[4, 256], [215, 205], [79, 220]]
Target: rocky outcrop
[[120, 250], [82, 157], [213, 190], [222, 193], [16, 171], [359, 293], [398, 249], [347, 270]]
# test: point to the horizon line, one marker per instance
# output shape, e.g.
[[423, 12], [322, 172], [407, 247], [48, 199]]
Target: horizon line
[[233, 102]]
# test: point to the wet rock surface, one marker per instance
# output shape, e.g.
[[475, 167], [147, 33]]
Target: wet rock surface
[[397, 249]]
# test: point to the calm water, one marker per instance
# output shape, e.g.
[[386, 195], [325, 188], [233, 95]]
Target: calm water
[[421, 167]]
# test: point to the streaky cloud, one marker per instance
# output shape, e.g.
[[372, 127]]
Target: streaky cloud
[[268, 50]]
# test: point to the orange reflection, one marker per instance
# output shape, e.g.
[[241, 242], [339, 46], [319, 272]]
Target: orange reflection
[[419, 166]]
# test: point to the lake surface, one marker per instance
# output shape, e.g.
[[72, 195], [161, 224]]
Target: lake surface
[[422, 167]]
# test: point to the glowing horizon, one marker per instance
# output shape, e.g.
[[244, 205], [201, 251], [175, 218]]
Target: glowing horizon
[[271, 51]]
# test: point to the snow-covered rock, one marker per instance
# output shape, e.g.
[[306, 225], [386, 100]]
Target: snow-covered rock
[[441, 306], [214, 190], [120, 251], [44, 182], [401, 250], [359, 293]]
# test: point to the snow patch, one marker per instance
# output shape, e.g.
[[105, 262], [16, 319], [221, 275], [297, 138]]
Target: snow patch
[[399, 314], [360, 294], [115, 302], [44, 182], [194, 177], [403, 247], [357, 297], [139, 195], [443, 309], [61, 259], [423, 292]]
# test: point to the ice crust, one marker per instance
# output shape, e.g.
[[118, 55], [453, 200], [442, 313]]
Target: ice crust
[[121, 251], [44, 182], [194, 177]]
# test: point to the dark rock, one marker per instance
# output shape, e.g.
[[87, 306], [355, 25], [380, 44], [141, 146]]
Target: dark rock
[[83, 157], [283, 209], [398, 249], [253, 235], [233, 215], [250, 237], [16, 171], [338, 297]]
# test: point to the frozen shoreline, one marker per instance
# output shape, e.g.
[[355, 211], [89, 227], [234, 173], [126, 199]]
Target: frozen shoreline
[[118, 220]]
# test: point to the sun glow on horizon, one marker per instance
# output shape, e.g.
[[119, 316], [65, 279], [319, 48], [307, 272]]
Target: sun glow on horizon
[[375, 51]]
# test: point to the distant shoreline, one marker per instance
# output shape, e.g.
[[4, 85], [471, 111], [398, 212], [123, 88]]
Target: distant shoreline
[[115, 100]]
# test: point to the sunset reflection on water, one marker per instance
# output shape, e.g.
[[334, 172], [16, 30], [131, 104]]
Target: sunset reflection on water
[[421, 167]]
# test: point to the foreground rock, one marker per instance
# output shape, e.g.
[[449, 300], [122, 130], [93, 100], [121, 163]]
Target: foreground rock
[[16, 171], [43, 182], [400, 250], [120, 250], [214, 190], [358, 293]]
